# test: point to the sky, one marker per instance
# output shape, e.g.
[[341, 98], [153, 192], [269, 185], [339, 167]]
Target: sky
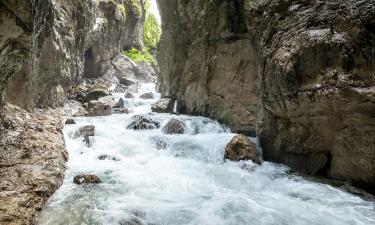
[[155, 10]]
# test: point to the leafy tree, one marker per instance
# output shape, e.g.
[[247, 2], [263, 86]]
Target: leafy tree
[[151, 31]]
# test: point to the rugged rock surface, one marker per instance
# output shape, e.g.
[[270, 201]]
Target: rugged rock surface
[[69, 39], [142, 122], [174, 126], [99, 108], [164, 105], [32, 162], [241, 148], [86, 179], [300, 74]]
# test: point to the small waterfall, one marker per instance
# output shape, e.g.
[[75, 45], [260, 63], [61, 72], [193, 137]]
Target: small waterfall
[[175, 106]]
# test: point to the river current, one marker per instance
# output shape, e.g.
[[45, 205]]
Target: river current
[[188, 183]]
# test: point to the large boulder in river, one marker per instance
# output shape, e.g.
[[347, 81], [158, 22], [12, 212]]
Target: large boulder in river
[[87, 132], [86, 179], [142, 122], [127, 82], [241, 148], [164, 105], [99, 108], [174, 126]]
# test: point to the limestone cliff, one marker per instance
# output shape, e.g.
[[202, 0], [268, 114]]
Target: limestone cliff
[[46, 48], [299, 74]]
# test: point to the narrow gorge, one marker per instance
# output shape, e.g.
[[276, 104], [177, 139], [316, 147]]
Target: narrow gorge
[[231, 112]]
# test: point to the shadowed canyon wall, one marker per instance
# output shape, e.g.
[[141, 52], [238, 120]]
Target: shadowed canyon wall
[[299, 74]]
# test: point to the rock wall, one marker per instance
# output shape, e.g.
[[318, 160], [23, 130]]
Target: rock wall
[[299, 74], [47, 46]]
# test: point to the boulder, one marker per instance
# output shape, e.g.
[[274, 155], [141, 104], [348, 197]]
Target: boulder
[[85, 131], [148, 95], [86, 179], [164, 105], [126, 81], [95, 94], [174, 126], [99, 108], [142, 122], [129, 95], [241, 148], [70, 121]]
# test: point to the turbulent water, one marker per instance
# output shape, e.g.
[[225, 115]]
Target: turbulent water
[[186, 183]]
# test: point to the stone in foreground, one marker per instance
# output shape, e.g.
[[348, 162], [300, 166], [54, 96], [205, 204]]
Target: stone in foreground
[[241, 148], [164, 105], [86, 179], [143, 123], [174, 126]]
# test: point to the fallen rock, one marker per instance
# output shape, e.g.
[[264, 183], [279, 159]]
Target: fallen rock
[[126, 81], [142, 122], [129, 95], [95, 94], [148, 95], [241, 148], [70, 121], [164, 105], [99, 108], [174, 126], [86, 179]]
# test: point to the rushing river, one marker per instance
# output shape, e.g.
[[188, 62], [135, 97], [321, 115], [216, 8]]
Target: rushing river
[[187, 183]]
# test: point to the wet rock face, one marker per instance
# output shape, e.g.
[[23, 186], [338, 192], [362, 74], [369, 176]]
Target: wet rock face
[[241, 148], [164, 105], [69, 40], [174, 126], [86, 179], [299, 75], [143, 123], [32, 162]]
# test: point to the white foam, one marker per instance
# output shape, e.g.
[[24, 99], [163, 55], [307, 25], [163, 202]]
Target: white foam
[[188, 182]]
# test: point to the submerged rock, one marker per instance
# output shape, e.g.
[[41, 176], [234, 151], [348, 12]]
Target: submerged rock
[[108, 157], [174, 126], [99, 108], [241, 148], [120, 103], [148, 95], [86, 179], [164, 105], [70, 121], [143, 122], [120, 111]]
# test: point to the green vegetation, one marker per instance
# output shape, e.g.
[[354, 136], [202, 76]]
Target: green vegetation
[[151, 31], [122, 9], [138, 56], [151, 37]]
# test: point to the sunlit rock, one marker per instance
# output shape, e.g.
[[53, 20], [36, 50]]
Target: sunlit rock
[[241, 148]]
